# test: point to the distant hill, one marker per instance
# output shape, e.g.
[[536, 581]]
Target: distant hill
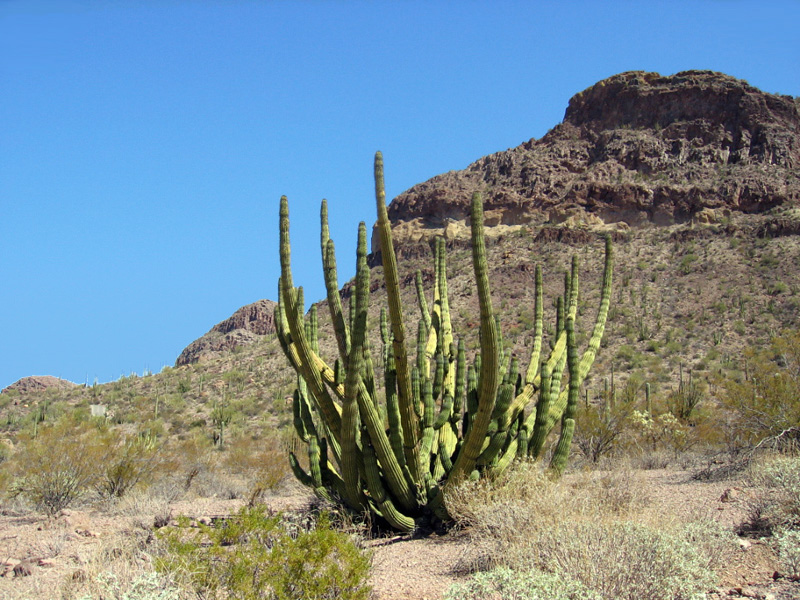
[[39, 383]]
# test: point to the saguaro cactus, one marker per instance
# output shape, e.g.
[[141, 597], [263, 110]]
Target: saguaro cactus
[[439, 419]]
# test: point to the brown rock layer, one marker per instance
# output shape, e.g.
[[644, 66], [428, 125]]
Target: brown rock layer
[[637, 148]]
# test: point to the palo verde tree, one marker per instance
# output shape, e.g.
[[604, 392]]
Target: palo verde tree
[[441, 418]]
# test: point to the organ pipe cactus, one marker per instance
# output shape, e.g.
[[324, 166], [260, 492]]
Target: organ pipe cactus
[[440, 419]]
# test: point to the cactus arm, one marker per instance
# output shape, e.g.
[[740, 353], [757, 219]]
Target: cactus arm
[[541, 414], [408, 414], [559, 460], [438, 378], [378, 493], [369, 414], [306, 427], [448, 346], [335, 301], [434, 330], [299, 425], [299, 472], [460, 383], [393, 411], [350, 415], [423, 303], [445, 413], [538, 329], [561, 454], [447, 327], [312, 329], [572, 291], [314, 459], [312, 375], [597, 335], [471, 449], [428, 431], [587, 360]]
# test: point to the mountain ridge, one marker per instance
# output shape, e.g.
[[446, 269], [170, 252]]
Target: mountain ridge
[[633, 149]]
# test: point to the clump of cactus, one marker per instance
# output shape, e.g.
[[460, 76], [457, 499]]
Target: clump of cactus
[[441, 419]]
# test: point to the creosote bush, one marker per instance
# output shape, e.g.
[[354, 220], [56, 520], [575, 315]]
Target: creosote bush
[[767, 402], [56, 467], [787, 545], [255, 555], [126, 461], [58, 464]]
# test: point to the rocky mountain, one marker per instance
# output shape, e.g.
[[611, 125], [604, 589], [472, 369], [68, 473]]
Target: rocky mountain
[[244, 327], [634, 149]]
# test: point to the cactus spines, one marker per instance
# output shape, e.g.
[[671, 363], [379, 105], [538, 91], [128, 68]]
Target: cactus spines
[[448, 420]]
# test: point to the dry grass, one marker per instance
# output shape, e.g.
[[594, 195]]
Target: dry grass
[[121, 568], [592, 528], [506, 516]]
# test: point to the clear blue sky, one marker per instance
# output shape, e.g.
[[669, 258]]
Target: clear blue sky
[[144, 145]]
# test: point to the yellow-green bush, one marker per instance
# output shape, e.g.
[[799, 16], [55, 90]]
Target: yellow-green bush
[[257, 555]]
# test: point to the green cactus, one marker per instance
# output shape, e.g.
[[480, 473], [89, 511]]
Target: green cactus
[[448, 420]]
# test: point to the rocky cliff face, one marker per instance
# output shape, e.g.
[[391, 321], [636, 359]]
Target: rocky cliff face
[[241, 328], [635, 149]]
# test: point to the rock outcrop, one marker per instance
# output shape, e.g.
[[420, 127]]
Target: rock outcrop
[[244, 327], [38, 383], [635, 149]]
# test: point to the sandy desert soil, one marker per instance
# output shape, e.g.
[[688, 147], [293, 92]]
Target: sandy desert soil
[[61, 551]]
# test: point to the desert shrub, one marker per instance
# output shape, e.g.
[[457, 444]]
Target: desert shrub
[[661, 432], [767, 402], [505, 516], [585, 531], [190, 457], [263, 460], [55, 467], [508, 584], [626, 560], [787, 545], [120, 567], [127, 461], [257, 555], [774, 501], [600, 429]]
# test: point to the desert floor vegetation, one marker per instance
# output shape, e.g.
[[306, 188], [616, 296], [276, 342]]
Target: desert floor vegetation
[[622, 532]]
